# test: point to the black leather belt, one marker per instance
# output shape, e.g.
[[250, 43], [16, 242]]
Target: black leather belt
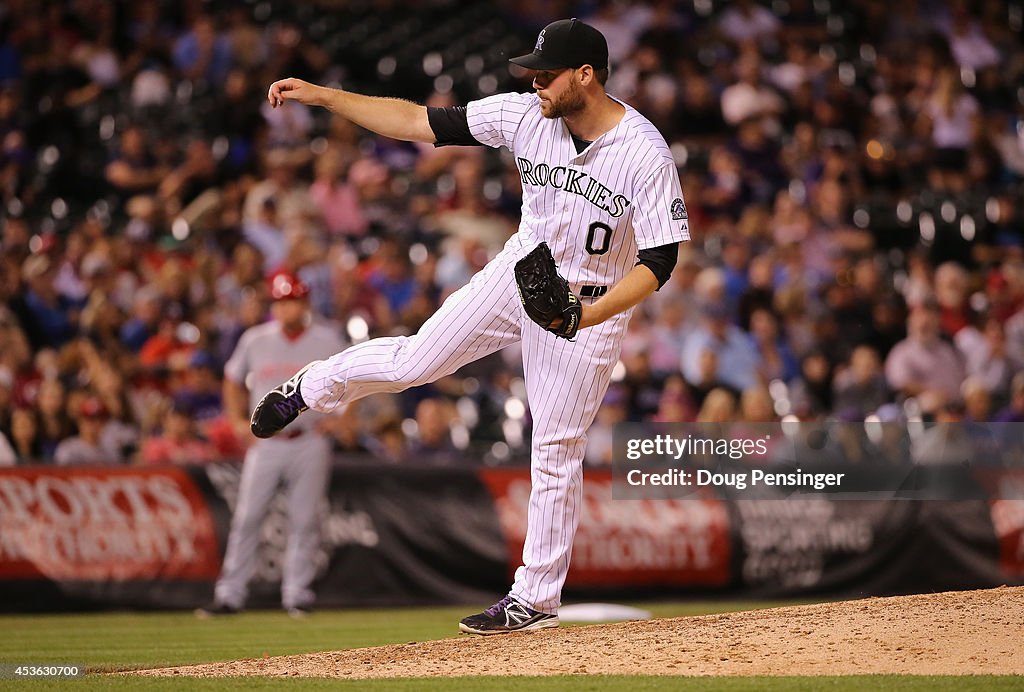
[[592, 291]]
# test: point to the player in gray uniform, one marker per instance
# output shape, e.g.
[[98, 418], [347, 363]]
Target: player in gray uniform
[[600, 187], [299, 458]]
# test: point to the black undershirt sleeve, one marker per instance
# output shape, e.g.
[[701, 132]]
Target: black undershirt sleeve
[[451, 127], [661, 261]]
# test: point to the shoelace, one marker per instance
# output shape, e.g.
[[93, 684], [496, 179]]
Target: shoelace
[[499, 606]]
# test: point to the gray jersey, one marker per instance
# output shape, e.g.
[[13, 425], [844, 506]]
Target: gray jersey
[[265, 356]]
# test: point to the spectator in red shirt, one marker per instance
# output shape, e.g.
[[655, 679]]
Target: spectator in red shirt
[[179, 443]]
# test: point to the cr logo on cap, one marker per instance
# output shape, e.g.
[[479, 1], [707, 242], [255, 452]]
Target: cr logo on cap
[[540, 40]]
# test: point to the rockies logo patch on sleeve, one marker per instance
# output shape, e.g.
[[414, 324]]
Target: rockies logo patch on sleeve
[[678, 209]]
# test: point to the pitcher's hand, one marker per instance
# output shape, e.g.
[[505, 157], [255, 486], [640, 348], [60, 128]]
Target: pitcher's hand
[[292, 89]]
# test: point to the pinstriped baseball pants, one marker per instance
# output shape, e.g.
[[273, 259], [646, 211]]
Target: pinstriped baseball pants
[[565, 383]]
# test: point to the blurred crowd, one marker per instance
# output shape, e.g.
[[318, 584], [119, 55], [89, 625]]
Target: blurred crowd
[[852, 171]]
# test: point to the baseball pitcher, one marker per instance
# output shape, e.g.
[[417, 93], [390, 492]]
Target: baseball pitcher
[[602, 217]]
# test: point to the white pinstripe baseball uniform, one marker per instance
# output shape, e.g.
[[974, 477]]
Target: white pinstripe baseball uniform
[[300, 459], [596, 209]]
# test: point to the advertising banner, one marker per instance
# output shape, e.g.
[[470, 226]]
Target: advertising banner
[[624, 544], [1008, 521], [409, 536], [89, 524], [84, 538]]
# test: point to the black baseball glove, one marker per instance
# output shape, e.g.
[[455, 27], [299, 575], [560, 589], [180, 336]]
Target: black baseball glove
[[546, 296]]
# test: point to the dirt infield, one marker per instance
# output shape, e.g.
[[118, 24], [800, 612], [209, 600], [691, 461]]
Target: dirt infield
[[955, 633]]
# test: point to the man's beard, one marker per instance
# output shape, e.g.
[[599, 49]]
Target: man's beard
[[569, 103]]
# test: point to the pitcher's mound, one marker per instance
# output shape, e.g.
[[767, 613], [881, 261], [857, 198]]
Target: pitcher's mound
[[954, 633]]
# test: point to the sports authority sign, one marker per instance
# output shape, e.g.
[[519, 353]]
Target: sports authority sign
[[106, 524], [626, 543], [1008, 522]]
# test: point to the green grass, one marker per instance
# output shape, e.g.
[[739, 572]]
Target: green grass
[[596, 683], [115, 641], [122, 641]]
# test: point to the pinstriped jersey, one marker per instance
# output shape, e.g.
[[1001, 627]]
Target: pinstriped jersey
[[596, 208]]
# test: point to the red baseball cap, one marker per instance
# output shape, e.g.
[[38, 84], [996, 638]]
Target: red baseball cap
[[93, 408], [285, 286]]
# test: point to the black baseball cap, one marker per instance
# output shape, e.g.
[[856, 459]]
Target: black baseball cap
[[566, 43]]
